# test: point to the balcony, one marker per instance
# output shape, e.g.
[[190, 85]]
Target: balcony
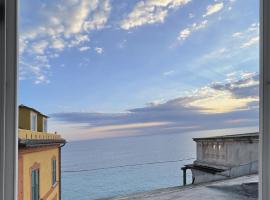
[[30, 138]]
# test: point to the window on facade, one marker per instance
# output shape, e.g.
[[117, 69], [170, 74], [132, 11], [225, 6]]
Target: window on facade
[[33, 121], [53, 171], [45, 126], [35, 184]]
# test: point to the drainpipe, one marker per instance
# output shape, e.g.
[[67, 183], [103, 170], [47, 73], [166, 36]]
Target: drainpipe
[[59, 171]]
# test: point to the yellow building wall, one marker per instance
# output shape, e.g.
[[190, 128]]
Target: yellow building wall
[[42, 156], [39, 123], [24, 118]]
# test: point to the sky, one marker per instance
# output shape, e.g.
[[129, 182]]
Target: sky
[[110, 68]]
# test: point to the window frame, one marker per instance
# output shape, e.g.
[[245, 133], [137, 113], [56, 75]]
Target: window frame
[[264, 126], [45, 122], [9, 107], [36, 172], [8, 100], [54, 171], [31, 121]]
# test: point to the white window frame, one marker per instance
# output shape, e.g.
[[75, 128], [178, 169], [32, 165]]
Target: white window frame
[[264, 161], [45, 122], [31, 121], [8, 100]]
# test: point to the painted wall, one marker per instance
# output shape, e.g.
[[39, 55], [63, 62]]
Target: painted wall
[[25, 119], [40, 157]]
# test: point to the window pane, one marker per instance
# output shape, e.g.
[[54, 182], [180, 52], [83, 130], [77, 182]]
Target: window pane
[[151, 94], [33, 121], [45, 125]]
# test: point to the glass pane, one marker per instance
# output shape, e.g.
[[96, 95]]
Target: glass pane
[[150, 95]]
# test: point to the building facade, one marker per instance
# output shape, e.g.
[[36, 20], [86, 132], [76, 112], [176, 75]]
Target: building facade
[[39, 164], [224, 157]]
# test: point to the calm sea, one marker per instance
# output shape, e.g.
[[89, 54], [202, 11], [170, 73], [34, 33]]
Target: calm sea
[[96, 169]]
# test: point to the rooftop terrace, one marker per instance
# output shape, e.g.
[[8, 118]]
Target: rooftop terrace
[[34, 138], [242, 188]]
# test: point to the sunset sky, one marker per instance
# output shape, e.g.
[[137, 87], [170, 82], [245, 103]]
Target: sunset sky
[[105, 68]]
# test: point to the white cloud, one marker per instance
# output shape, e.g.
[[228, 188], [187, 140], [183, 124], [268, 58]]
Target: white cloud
[[224, 97], [41, 79], [250, 42], [84, 48], [100, 18], [210, 101], [58, 44], [169, 73], [237, 34], [211, 9], [39, 47], [79, 39], [99, 50], [150, 12], [64, 24], [185, 33]]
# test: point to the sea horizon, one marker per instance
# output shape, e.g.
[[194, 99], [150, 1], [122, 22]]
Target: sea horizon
[[108, 167]]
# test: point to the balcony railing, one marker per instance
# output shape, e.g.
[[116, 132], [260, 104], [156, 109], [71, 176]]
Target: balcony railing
[[34, 135]]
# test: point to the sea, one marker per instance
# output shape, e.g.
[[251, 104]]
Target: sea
[[104, 168]]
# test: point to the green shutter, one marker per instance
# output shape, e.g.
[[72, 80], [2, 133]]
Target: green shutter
[[53, 172], [35, 184]]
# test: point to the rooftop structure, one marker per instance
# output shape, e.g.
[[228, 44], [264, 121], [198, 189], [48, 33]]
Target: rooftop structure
[[242, 188], [222, 157]]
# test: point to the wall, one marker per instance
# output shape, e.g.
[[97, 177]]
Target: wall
[[40, 157], [237, 157], [24, 118], [39, 123], [227, 153], [200, 176]]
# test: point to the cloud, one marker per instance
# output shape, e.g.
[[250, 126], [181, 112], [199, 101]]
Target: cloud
[[150, 12], [99, 50], [211, 9], [54, 27], [237, 34], [169, 73], [84, 48], [39, 47], [185, 33], [250, 42], [229, 104], [248, 37]]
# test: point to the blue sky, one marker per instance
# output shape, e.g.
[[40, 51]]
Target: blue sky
[[103, 68]]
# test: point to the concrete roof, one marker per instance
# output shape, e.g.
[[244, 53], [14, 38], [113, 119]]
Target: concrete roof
[[235, 136], [242, 188]]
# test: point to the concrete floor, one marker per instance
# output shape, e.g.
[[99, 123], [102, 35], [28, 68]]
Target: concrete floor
[[242, 188]]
